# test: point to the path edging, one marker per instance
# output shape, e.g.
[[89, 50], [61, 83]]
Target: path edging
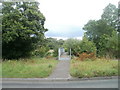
[[58, 79]]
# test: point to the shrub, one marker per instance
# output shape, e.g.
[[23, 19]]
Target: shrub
[[81, 46], [41, 51], [85, 56], [49, 66], [87, 46]]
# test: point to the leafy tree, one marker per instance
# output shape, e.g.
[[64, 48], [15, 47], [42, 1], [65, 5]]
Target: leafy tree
[[22, 28], [112, 45], [54, 44], [40, 51], [110, 14], [119, 29], [0, 30], [95, 29], [61, 42], [100, 33], [87, 46], [72, 44], [80, 46], [103, 32], [108, 45]]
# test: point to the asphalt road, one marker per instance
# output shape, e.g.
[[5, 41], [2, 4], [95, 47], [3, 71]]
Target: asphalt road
[[107, 83]]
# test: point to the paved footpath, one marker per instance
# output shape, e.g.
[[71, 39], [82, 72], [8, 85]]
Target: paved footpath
[[61, 70]]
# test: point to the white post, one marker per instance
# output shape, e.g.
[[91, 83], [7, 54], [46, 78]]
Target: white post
[[58, 53]]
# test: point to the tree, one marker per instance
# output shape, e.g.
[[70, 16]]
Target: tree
[[80, 46], [110, 14], [54, 44], [22, 28], [0, 36], [112, 45], [72, 44], [87, 46], [100, 33], [95, 29], [103, 32]]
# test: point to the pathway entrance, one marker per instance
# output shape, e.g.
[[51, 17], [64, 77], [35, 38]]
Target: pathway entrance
[[62, 55], [62, 70]]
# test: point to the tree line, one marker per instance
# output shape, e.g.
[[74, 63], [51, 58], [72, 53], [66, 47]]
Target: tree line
[[23, 33], [104, 32]]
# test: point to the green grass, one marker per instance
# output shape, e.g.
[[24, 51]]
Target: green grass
[[28, 68], [96, 68], [0, 70]]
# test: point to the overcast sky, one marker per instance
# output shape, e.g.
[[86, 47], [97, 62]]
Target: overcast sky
[[66, 18]]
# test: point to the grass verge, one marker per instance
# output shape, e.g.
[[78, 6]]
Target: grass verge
[[28, 68], [0, 69], [96, 68]]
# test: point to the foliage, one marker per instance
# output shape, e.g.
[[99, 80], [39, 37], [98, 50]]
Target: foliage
[[113, 44], [110, 14], [28, 68], [85, 56], [73, 44], [95, 29], [40, 51], [54, 44], [96, 68], [103, 32], [108, 46], [87, 46], [80, 46], [0, 32], [23, 27]]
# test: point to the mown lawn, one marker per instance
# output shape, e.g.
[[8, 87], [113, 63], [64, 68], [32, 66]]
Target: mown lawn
[[28, 68], [96, 68]]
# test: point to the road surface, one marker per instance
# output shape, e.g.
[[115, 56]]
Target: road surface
[[107, 83]]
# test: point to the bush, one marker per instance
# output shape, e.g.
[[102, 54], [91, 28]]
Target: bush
[[87, 50], [87, 46], [86, 56], [41, 51], [74, 44], [55, 53], [83, 48]]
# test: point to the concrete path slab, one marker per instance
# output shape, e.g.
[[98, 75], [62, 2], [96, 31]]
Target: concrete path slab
[[61, 70]]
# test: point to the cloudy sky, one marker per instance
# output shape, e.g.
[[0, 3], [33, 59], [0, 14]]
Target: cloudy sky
[[66, 18]]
